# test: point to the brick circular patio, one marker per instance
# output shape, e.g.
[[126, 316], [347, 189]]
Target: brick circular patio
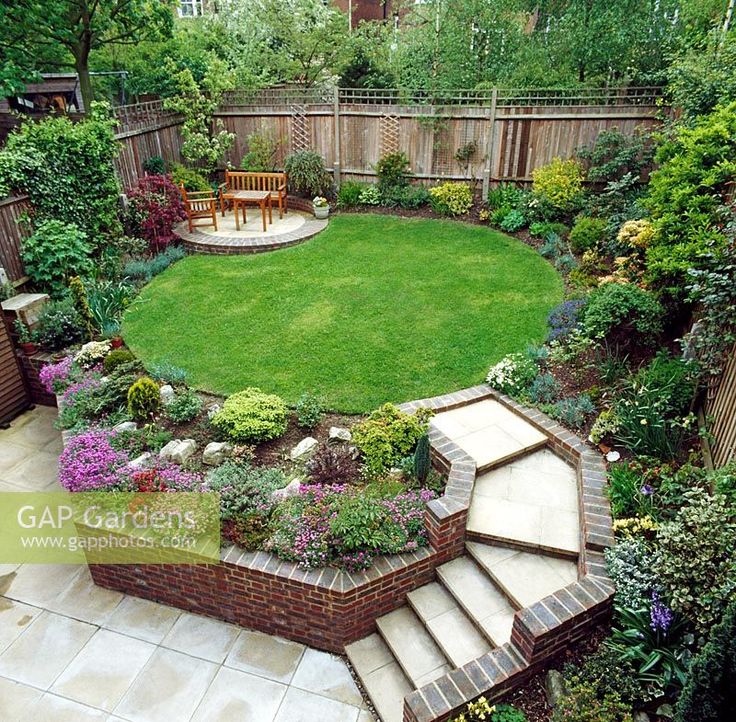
[[297, 226]]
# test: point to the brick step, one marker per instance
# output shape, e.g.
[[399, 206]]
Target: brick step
[[381, 676], [450, 627], [486, 605], [412, 646], [524, 577]]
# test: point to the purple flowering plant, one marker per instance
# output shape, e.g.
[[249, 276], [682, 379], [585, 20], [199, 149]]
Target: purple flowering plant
[[90, 463], [56, 377]]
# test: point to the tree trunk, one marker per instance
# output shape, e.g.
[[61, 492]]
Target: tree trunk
[[80, 51]]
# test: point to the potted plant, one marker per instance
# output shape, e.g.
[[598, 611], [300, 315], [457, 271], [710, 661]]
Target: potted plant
[[25, 340], [320, 207]]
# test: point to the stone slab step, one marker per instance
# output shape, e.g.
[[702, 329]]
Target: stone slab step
[[412, 646], [489, 432], [524, 577], [450, 627], [488, 608], [380, 675]]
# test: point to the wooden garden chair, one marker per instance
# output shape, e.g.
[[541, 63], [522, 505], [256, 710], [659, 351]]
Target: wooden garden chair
[[199, 205]]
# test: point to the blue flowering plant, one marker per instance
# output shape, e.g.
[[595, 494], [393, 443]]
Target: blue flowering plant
[[657, 642]]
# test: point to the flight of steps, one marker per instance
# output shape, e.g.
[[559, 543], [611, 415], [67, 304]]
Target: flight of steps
[[447, 623]]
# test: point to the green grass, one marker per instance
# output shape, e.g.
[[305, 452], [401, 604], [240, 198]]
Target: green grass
[[374, 309]]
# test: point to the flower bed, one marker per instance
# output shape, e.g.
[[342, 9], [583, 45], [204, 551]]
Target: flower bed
[[335, 504]]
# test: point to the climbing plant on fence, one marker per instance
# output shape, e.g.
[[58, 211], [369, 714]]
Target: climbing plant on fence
[[67, 170]]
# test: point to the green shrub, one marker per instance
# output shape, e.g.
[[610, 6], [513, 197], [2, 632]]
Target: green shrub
[[724, 482], [332, 464], [505, 195], [166, 372], [309, 411], [573, 411], [184, 407], [245, 490], [553, 247], [116, 358], [54, 253], [482, 711], [307, 174], [608, 674], [622, 313], [559, 184], [393, 172], [451, 199], [630, 564], [587, 233], [696, 558], [154, 165], [513, 221], [349, 194], [144, 399], [370, 195], [673, 378], [107, 301], [422, 459], [251, 415], [545, 389], [498, 216], [709, 695], [262, 151], [388, 435], [59, 325], [565, 263], [192, 179], [507, 713], [409, 197], [78, 293], [628, 494], [581, 704], [541, 229]]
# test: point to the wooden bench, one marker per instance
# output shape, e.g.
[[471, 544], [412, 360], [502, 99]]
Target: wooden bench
[[274, 183]]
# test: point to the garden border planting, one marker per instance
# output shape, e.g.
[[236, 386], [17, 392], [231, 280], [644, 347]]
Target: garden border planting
[[329, 608]]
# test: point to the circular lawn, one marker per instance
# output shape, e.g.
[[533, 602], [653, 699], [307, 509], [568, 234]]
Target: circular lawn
[[374, 309]]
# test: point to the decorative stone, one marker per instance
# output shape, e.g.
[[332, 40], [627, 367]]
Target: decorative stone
[[212, 409], [216, 452], [125, 426], [554, 686], [641, 716], [141, 460], [178, 450], [291, 489], [666, 710], [354, 452], [303, 448], [337, 433], [167, 394], [612, 456]]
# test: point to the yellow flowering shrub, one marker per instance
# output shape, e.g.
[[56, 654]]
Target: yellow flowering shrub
[[635, 526], [559, 183], [451, 199], [636, 234]]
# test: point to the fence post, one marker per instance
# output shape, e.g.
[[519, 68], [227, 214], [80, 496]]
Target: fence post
[[336, 110], [491, 144]]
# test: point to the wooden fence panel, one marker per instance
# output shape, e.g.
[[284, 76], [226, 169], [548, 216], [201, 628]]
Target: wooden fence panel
[[720, 412], [12, 235], [13, 393], [137, 146]]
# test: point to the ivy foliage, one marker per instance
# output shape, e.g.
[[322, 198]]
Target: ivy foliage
[[67, 171]]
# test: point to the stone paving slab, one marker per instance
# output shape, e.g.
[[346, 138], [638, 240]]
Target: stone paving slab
[[488, 432]]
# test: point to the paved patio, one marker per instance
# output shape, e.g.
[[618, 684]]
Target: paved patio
[[71, 651]]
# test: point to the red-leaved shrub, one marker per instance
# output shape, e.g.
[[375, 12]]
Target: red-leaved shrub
[[155, 207]]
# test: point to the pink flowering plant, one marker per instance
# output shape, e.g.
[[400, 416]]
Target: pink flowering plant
[[347, 527], [55, 378], [90, 462]]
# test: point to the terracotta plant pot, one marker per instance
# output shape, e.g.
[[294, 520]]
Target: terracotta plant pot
[[28, 348]]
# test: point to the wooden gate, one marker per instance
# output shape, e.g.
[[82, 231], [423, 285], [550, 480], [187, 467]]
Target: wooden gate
[[13, 392]]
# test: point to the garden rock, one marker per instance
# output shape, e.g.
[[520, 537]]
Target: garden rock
[[216, 452], [167, 394], [178, 450], [666, 710], [554, 686], [141, 460], [125, 426], [290, 490], [338, 433], [303, 448], [612, 456], [641, 717], [212, 409]]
